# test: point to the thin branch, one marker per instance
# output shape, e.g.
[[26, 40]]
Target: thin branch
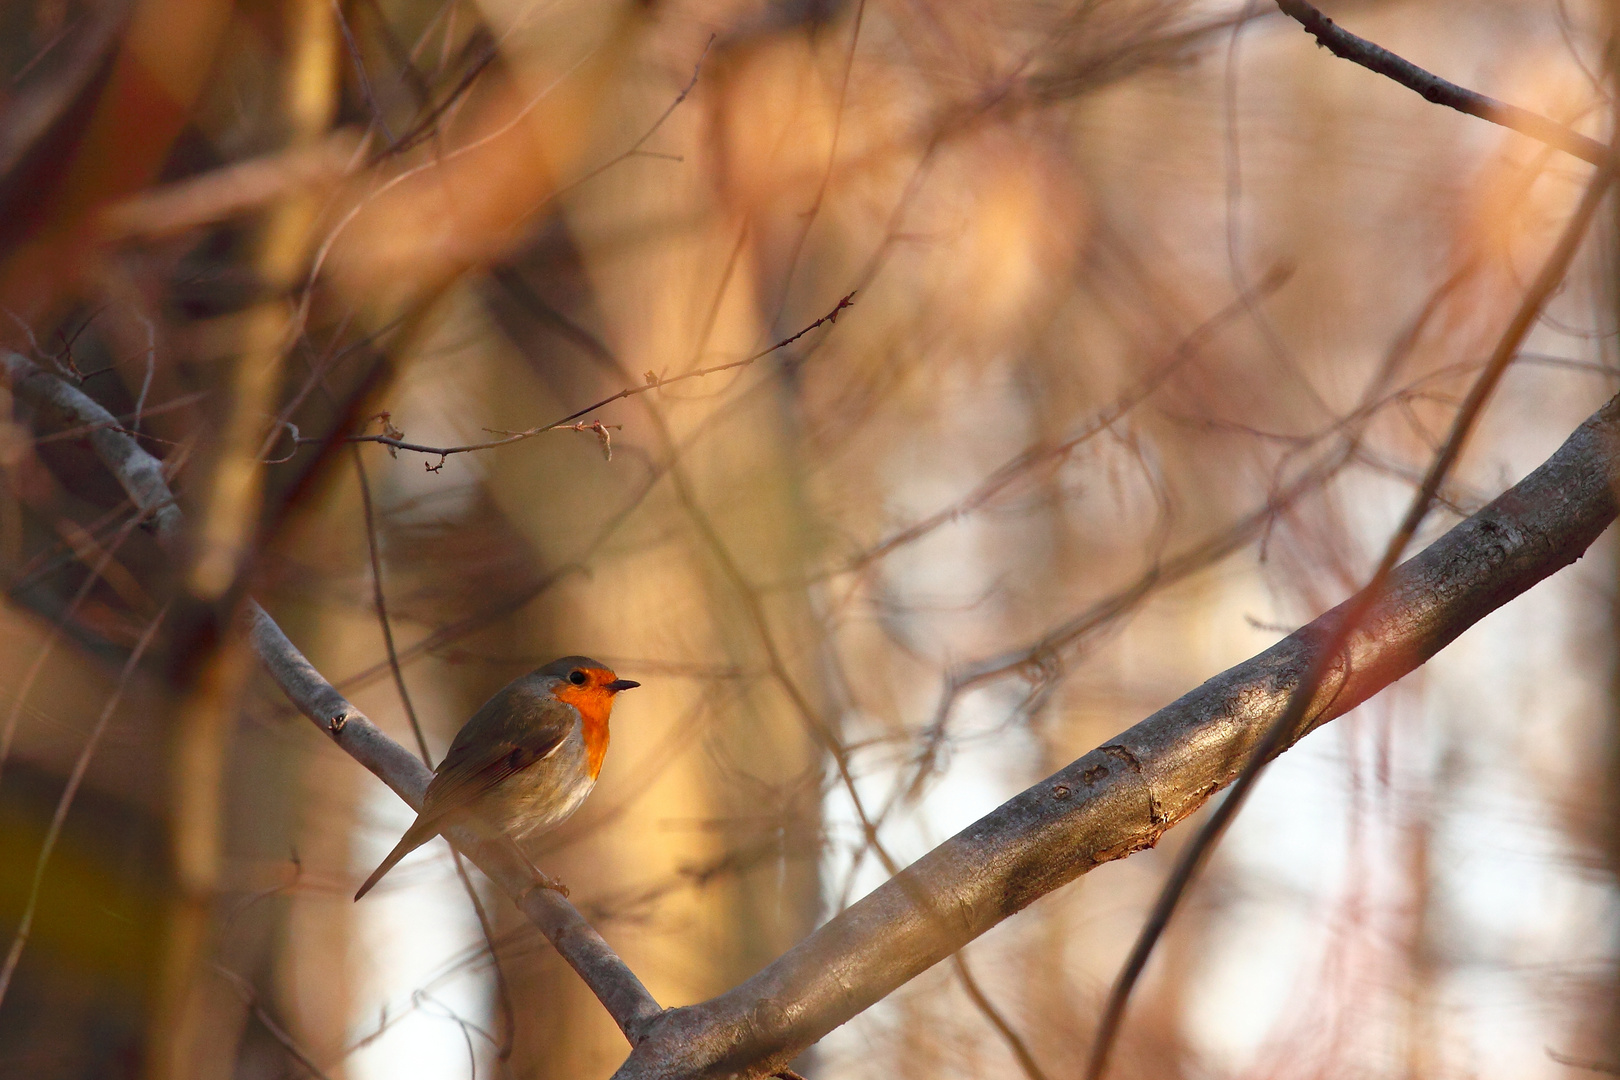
[[428, 124], [143, 479], [686, 91], [409, 75], [123, 423], [139, 472], [503, 992], [1014, 1041], [635, 147], [1283, 729], [1347, 46], [380, 604], [8, 731], [571, 421], [250, 998], [807, 218], [1052, 454], [359, 63]]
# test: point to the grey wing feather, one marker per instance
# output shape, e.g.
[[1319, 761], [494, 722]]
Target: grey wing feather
[[512, 731]]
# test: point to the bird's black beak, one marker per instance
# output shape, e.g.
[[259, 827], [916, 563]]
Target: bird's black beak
[[621, 684]]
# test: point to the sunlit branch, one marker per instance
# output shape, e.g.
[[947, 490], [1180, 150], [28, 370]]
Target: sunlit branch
[[1284, 727], [1121, 797]]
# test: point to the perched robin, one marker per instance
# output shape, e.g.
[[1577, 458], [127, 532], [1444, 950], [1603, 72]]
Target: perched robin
[[524, 762]]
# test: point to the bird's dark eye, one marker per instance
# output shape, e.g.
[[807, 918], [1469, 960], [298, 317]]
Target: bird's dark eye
[[577, 677]]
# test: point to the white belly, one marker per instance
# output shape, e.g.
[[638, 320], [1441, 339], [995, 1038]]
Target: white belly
[[544, 794]]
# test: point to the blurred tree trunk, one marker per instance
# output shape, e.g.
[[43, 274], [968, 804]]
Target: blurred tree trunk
[[721, 830]]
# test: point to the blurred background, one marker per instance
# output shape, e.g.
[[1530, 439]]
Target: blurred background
[[1158, 312]]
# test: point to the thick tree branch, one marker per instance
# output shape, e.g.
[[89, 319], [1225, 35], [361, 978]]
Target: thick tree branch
[[1118, 799], [1191, 858], [141, 476], [1121, 797], [1347, 46]]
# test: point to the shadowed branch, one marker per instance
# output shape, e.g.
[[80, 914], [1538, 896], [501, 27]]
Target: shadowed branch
[[1347, 46]]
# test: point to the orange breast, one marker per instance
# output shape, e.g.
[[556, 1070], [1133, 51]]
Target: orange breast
[[594, 705]]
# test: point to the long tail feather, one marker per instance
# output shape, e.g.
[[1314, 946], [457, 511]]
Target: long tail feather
[[414, 838]]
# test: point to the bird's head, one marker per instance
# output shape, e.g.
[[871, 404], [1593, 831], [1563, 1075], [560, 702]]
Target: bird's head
[[588, 685]]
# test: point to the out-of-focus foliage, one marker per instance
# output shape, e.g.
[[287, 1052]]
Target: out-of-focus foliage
[[1158, 312]]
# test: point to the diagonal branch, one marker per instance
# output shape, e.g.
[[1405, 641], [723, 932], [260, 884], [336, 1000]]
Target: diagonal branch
[[1551, 275], [1121, 797], [1358, 50], [1191, 858], [141, 477], [572, 421], [613, 983]]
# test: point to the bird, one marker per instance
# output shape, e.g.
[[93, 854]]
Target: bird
[[524, 762]]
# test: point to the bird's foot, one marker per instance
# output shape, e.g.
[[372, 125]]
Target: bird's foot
[[546, 881], [542, 880]]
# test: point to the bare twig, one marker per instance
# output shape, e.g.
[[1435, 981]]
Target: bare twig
[[1039, 455], [1341, 43], [129, 423], [380, 603], [425, 127], [1014, 1041], [635, 147], [359, 62], [503, 991], [139, 472], [570, 422], [144, 481], [250, 998]]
